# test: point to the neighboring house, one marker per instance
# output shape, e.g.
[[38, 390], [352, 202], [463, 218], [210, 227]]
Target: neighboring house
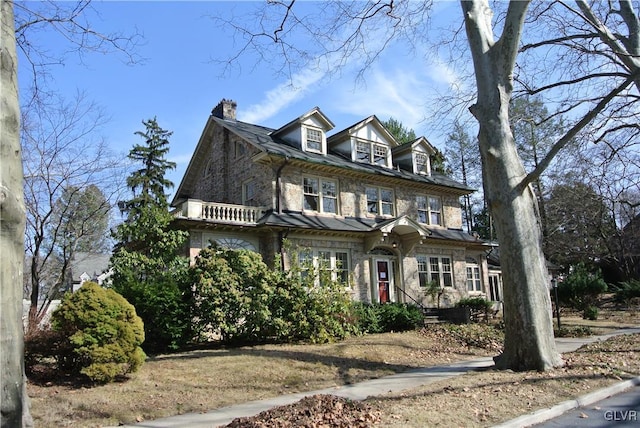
[[355, 202], [88, 267]]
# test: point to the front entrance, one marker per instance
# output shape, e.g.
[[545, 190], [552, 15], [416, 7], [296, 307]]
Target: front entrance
[[384, 279]]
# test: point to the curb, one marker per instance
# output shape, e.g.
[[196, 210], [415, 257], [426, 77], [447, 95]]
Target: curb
[[544, 415]]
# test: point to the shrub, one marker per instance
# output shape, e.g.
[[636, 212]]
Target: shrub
[[479, 307], [367, 318], [302, 310], [386, 317], [399, 317], [160, 292], [475, 303], [101, 334], [590, 313], [625, 292], [581, 288]]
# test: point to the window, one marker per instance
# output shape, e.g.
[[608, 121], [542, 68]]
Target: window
[[320, 195], [363, 152], [249, 193], [239, 149], [429, 210], [305, 260], [494, 288], [473, 278], [331, 265], [422, 163], [379, 155], [314, 140], [372, 153], [379, 201], [342, 267], [423, 271], [435, 269]]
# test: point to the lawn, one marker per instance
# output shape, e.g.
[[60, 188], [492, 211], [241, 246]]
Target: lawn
[[206, 379]]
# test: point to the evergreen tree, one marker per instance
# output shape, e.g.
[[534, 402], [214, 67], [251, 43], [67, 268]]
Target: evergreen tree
[[464, 162], [148, 270], [405, 135], [402, 134]]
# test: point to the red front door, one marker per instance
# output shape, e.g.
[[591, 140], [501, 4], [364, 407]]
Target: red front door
[[383, 280]]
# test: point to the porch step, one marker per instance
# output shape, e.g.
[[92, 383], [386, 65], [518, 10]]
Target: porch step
[[431, 316], [432, 319]]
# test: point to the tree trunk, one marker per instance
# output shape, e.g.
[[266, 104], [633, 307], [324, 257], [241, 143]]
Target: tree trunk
[[529, 342], [14, 409]]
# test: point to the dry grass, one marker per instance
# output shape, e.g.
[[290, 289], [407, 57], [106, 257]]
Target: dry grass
[[207, 379]]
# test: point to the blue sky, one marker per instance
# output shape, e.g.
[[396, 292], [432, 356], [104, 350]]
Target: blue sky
[[179, 83]]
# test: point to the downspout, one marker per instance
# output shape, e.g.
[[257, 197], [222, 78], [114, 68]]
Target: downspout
[[279, 185], [281, 235]]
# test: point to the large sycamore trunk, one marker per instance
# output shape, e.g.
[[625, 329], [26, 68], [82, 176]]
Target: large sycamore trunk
[[14, 409], [529, 341]]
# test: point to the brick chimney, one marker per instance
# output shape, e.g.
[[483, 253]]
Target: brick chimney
[[226, 109]]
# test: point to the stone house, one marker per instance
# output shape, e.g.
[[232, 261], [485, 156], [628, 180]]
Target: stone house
[[357, 204]]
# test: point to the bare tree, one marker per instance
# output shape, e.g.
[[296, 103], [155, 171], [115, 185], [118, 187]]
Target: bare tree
[[599, 45], [14, 31], [64, 161], [14, 408]]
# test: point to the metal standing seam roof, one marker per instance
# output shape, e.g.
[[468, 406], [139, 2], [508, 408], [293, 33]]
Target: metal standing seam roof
[[298, 220]]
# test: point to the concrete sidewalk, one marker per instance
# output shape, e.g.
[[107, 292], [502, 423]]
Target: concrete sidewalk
[[374, 387]]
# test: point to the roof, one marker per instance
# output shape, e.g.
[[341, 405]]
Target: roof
[[266, 140], [299, 220], [92, 264], [261, 138]]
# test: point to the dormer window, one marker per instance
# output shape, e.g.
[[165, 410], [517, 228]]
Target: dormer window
[[422, 164], [314, 140], [372, 153]]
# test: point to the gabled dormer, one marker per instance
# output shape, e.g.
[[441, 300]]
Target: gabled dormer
[[307, 133], [415, 156], [367, 142]]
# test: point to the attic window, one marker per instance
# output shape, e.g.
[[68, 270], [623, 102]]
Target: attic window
[[422, 164], [314, 140], [372, 153]]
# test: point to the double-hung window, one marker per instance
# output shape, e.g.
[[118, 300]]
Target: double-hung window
[[379, 201], [422, 163], [249, 193], [473, 278], [314, 140], [363, 152], [320, 195], [429, 210], [331, 265], [435, 269]]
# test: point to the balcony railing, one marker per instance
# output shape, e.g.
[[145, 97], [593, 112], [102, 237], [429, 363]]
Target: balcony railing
[[220, 213]]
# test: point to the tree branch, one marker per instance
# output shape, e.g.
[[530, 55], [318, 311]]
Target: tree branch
[[602, 104]]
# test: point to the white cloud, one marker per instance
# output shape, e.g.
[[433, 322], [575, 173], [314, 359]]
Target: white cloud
[[397, 93], [280, 97]]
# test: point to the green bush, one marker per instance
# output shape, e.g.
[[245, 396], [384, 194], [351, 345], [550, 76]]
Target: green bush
[[100, 332], [238, 298], [304, 311], [367, 318], [386, 317], [625, 292], [400, 317], [475, 303], [581, 288], [590, 313], [160, 292]]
